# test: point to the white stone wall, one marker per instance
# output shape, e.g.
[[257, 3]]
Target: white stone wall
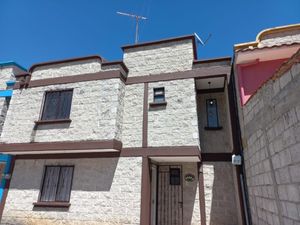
[[105, 191], [95, 113], [287, 37], [272, 150], [160, 58], [70, 69], [6, 73], [132, 132], [177, 123], [219, 191]]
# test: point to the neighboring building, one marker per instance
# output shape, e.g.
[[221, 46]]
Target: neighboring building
[[267, 76], [144, 141]]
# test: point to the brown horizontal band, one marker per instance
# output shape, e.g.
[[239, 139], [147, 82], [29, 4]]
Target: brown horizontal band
[[220, 59], [40, 122], [52, 204], [56, 146], [216, 157], [73, 79], [203, 73]]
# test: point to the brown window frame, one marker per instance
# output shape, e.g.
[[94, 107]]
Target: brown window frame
[[157, 89], [55, 202], [209, 126], [58, 105]]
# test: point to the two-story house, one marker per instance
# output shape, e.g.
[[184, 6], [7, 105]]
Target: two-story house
[[146, 140]]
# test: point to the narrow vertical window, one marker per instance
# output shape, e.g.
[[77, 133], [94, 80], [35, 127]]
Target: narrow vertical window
[[159, 95], [175, 176], [212, 113]]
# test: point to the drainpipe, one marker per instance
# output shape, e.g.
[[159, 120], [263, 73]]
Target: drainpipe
[[238, 150]]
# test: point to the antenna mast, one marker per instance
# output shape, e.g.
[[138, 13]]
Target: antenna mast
[[137, 18]]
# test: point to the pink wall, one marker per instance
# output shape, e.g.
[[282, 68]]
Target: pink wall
[[252, 76]]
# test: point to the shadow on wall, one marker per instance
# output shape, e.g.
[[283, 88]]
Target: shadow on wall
[[220, 184], [89, 174]]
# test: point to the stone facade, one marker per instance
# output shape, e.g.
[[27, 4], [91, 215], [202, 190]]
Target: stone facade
[[271, 132], [89, 101], [105, 191], [279, 38], [160, 58], [181, 107]]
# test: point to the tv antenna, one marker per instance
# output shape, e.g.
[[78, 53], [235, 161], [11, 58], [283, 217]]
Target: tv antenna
[[137, 18], [203, 43]]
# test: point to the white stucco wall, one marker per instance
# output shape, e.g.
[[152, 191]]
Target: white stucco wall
[[6, 74], [159, 58], [95, 113], [104, 192], [177, 123]]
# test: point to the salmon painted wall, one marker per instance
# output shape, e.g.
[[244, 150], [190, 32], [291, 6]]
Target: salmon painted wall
[[252, 75]]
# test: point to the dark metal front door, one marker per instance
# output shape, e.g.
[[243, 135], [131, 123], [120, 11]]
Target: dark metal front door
[[169, 199]]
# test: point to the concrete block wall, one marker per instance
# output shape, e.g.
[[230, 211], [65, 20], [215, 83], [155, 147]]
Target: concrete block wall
[[176, 124], [105, 191], [160, 58], [219, 191], [89, 101], [271, 132]]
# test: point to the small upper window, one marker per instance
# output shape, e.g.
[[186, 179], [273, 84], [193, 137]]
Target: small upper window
[[175, 176], [212, 113], [57, 184], [159, 95], [57, 105]]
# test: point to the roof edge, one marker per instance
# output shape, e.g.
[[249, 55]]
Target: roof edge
[[12, 63], [64, 61], [166, 40], [218, 59]]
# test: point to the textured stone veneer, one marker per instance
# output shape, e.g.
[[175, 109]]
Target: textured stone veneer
[[104, 192], [219, 190], [71, 68], [287, 37], [132, 131], [96, 113], [175, 124], [271, 134], [159, 58]]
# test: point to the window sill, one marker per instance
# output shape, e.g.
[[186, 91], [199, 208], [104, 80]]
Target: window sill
[[157, 104], [52, 204], [213, 128], [52, 121]]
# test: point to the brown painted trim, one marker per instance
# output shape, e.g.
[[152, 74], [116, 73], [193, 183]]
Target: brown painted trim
[[52, 204], [213, 128], [55, 146], [40, 122], [175, 151], [199, 73], [220, 59], [69, 155], [157, 104], [163, 41], [201, 194], [6, 188], [64, 61], [145, 193], [212, 90], [75, 78], [145, 116], [112, 63], [216, 157]]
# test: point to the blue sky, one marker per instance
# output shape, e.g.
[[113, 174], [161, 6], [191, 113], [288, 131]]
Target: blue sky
[[41, 30]]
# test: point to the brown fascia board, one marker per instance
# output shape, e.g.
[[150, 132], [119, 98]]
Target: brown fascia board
[[162, 41], [112, 63], [214, 60]]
